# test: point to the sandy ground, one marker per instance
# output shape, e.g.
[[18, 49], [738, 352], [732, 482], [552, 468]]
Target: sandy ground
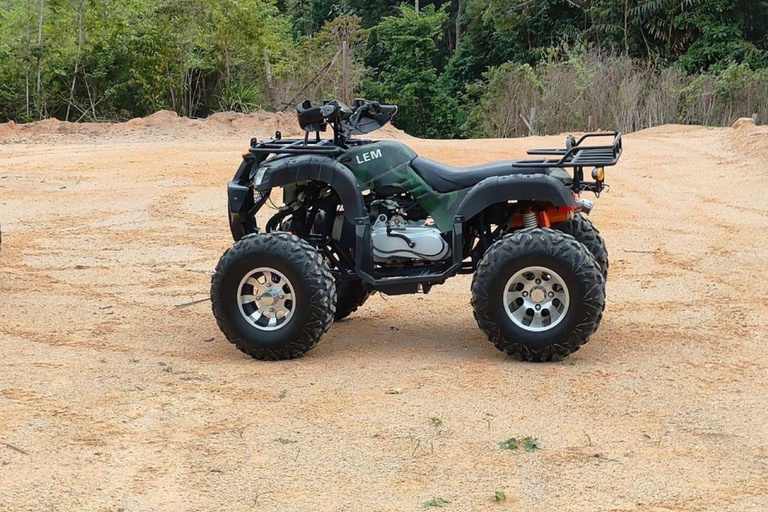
[[112, 398]]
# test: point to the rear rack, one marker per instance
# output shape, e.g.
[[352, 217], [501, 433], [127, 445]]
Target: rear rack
[[575, 155]]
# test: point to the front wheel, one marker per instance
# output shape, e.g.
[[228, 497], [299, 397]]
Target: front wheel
[[273, 296], [538, 294]]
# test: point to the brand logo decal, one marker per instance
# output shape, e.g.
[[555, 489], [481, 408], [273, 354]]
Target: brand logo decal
[[367, 157]]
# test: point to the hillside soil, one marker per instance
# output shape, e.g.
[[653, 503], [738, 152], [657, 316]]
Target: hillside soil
[[119, 393]]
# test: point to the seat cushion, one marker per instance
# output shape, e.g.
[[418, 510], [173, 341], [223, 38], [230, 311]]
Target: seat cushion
[[444, 178]]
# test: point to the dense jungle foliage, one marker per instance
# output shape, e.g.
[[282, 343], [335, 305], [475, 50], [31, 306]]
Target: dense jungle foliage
[[457, 68]]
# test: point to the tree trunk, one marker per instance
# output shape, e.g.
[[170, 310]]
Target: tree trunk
[[459, 6], [270, 82], [80, 9], [39, 87], [345, 93], [626, 27], [28, 55], [226, 64]]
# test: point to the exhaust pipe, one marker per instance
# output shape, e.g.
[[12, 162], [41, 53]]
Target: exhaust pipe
[[584, 205]]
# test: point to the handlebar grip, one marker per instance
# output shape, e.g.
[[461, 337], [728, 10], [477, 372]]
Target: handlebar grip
[[309, 115], [387, 109], [328, 109]]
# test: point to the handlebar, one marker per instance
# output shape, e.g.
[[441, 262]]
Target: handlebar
[[315, 118], [388, 109], [374, 107]]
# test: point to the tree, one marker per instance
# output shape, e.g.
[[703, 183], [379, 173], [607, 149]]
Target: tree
[[405, 59]]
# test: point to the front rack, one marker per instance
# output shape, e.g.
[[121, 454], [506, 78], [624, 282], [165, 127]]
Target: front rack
[[316, 146], [294, 146], [576, 155]]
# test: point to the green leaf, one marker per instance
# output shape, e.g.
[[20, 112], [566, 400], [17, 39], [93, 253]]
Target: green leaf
[[531, 444], [510, 444]]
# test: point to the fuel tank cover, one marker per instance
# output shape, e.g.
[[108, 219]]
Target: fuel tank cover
[[379, 166]]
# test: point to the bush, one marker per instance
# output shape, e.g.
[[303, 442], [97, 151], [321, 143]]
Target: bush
[[506, 92], [593, 90], [239, 97]]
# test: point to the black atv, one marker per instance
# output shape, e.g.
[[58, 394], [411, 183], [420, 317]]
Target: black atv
[[360, 216]]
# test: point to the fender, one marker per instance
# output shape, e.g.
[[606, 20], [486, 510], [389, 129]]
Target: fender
[[240, 201], [294, 169], [515, 187]]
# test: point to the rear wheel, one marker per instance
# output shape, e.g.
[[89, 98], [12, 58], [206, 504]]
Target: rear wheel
[[582, 229], [273, 296], [538, 294]]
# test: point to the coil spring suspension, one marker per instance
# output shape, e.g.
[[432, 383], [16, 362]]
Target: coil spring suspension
[[529, 219]]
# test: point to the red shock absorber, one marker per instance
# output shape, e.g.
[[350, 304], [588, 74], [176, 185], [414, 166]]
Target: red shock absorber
[[529, 219], [543, 219]]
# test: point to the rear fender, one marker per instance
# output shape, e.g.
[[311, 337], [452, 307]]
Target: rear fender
[[515, 187]]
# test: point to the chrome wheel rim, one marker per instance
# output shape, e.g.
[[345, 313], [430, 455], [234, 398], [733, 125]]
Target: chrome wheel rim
[[266, 299], [536, 299]]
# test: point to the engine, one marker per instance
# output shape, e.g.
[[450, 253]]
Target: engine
[[400, 233], [395, 240]]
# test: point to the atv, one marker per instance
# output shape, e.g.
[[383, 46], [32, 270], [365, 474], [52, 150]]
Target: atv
[[361, 216]]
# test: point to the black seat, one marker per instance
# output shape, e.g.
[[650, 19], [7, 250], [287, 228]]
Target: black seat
[[444, 178]]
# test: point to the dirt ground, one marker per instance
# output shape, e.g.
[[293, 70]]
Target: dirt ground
[[114, 398]]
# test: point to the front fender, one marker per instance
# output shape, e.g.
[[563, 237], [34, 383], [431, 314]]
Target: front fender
[[515, 187], [240, 201], [295, 169]]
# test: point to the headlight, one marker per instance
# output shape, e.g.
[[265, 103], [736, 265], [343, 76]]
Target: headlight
[[259, 176]]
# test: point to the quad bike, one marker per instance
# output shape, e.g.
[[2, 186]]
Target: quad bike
[[360, 216]]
